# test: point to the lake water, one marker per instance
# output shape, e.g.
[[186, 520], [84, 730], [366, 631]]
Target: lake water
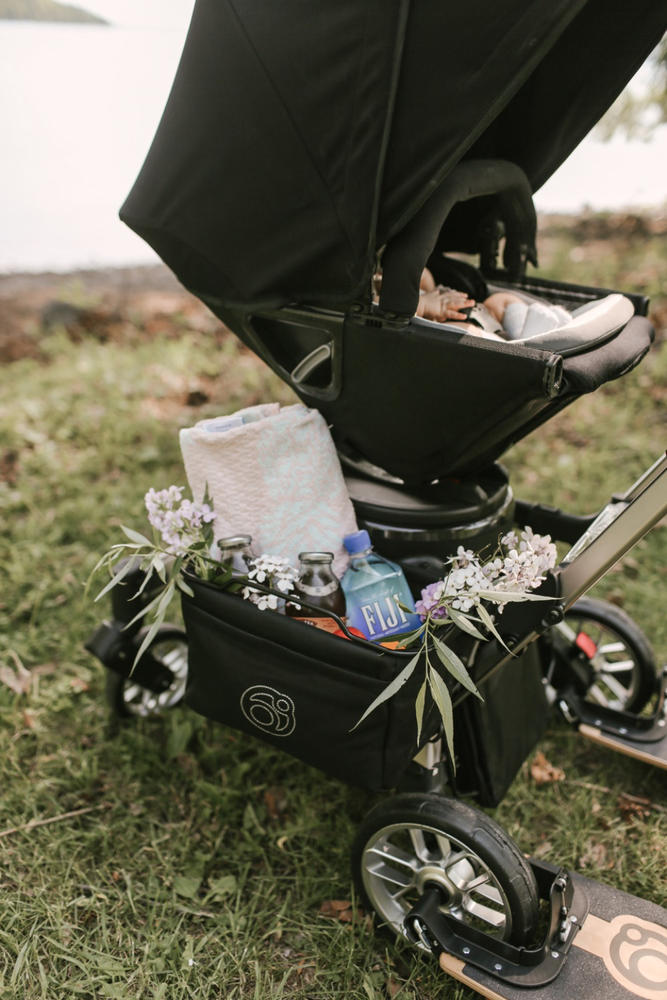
[[78, 109], [79, 105]]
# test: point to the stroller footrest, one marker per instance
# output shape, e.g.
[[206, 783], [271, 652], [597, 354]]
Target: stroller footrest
[[519, 966]]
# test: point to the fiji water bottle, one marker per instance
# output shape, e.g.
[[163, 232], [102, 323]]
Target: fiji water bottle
[[375, 589]]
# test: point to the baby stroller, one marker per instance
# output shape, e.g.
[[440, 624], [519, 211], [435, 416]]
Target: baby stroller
[[298, 152]]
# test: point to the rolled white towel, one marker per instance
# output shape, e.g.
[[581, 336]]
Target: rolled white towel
[[272, 473]]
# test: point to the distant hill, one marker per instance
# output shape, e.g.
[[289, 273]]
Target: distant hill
[[45, 10]]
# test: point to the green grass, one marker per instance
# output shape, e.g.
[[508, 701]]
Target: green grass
[[184, 880]]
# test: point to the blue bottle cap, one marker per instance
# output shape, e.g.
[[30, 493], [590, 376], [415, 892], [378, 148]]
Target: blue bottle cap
[[358, 541]]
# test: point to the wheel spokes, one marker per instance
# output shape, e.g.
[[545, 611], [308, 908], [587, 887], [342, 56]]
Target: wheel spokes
[[419, 844], [142, 701], [496, 918], [406, 858], [460, 871], [617, 666], [482, 886], [392, 853], [391, 876], [599, 695], [607, 648]]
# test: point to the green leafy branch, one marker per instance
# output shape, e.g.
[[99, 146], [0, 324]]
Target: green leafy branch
[[448, 659]]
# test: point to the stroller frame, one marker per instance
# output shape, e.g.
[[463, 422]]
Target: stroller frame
[[607, 537], [363, 170]]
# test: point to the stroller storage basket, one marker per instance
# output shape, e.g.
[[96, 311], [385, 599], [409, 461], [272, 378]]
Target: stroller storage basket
[[299, 688]]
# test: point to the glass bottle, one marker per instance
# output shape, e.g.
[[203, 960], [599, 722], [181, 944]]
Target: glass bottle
[[317, 584], [235, 553], [375, 589]]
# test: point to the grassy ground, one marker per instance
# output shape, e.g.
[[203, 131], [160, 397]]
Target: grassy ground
[[197, 861]]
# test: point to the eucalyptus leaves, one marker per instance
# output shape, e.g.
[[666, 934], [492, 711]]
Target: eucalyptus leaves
[[519, 565]]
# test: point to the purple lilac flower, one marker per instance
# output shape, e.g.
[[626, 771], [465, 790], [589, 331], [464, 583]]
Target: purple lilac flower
[[429, 601], [178, 521]]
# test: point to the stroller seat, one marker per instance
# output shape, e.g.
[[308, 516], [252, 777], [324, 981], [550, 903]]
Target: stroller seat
[[591, 324], [424, 401]]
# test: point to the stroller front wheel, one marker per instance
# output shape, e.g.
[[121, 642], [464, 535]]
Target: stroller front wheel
[[412, 841], [128, 698]]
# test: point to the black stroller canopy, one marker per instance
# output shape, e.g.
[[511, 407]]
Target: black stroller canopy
[[300, 137]]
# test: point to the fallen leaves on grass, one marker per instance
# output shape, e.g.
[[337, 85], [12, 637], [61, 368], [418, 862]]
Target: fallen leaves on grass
[[302, 973], [9, 464], [28, 720], [275, 802], [633, 807], [543, 849], [17, 678], [341, 909], [595, 856], [543, 772]]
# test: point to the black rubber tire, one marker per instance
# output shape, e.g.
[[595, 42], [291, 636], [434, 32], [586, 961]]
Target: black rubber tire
[[119, 689], [479, 834], [642, 678]]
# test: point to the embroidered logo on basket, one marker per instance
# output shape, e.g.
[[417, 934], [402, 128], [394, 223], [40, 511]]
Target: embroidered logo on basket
[[268, 710]]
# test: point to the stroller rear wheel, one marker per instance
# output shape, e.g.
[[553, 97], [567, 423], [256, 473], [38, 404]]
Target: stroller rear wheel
[[621, 668], [412, 841], [130, 699]]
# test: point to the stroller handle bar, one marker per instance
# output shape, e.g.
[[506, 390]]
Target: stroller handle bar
[[406, 254], [616, 529]]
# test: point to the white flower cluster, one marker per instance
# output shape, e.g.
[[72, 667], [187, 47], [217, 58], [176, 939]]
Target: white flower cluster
[[528, 559], [179, 521], [465, 579], [274, 572], [521, 566]]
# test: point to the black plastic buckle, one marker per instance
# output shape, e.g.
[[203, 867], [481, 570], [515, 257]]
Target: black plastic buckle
[[530, 967]]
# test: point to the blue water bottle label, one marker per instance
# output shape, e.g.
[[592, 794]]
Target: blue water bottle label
[[378, 613]]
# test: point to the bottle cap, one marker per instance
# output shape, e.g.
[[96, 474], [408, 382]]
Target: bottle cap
[[358, 541], [234, 541], [316, 557]]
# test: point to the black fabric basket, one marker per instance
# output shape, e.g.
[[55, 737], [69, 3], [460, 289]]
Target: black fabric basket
[[300, 689], [493, 737]]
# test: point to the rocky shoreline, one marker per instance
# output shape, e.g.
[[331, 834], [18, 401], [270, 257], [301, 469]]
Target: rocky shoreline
[[134, 303], [47, 10], [110, 303]]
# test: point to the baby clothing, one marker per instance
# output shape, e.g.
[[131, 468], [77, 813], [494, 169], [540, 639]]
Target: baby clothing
[[527, 319], [521, 319]]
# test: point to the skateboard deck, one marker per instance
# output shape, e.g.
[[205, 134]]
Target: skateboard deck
[[619, 953], [651, 753]]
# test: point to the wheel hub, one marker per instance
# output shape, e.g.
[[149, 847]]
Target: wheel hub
[[432, 875]]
